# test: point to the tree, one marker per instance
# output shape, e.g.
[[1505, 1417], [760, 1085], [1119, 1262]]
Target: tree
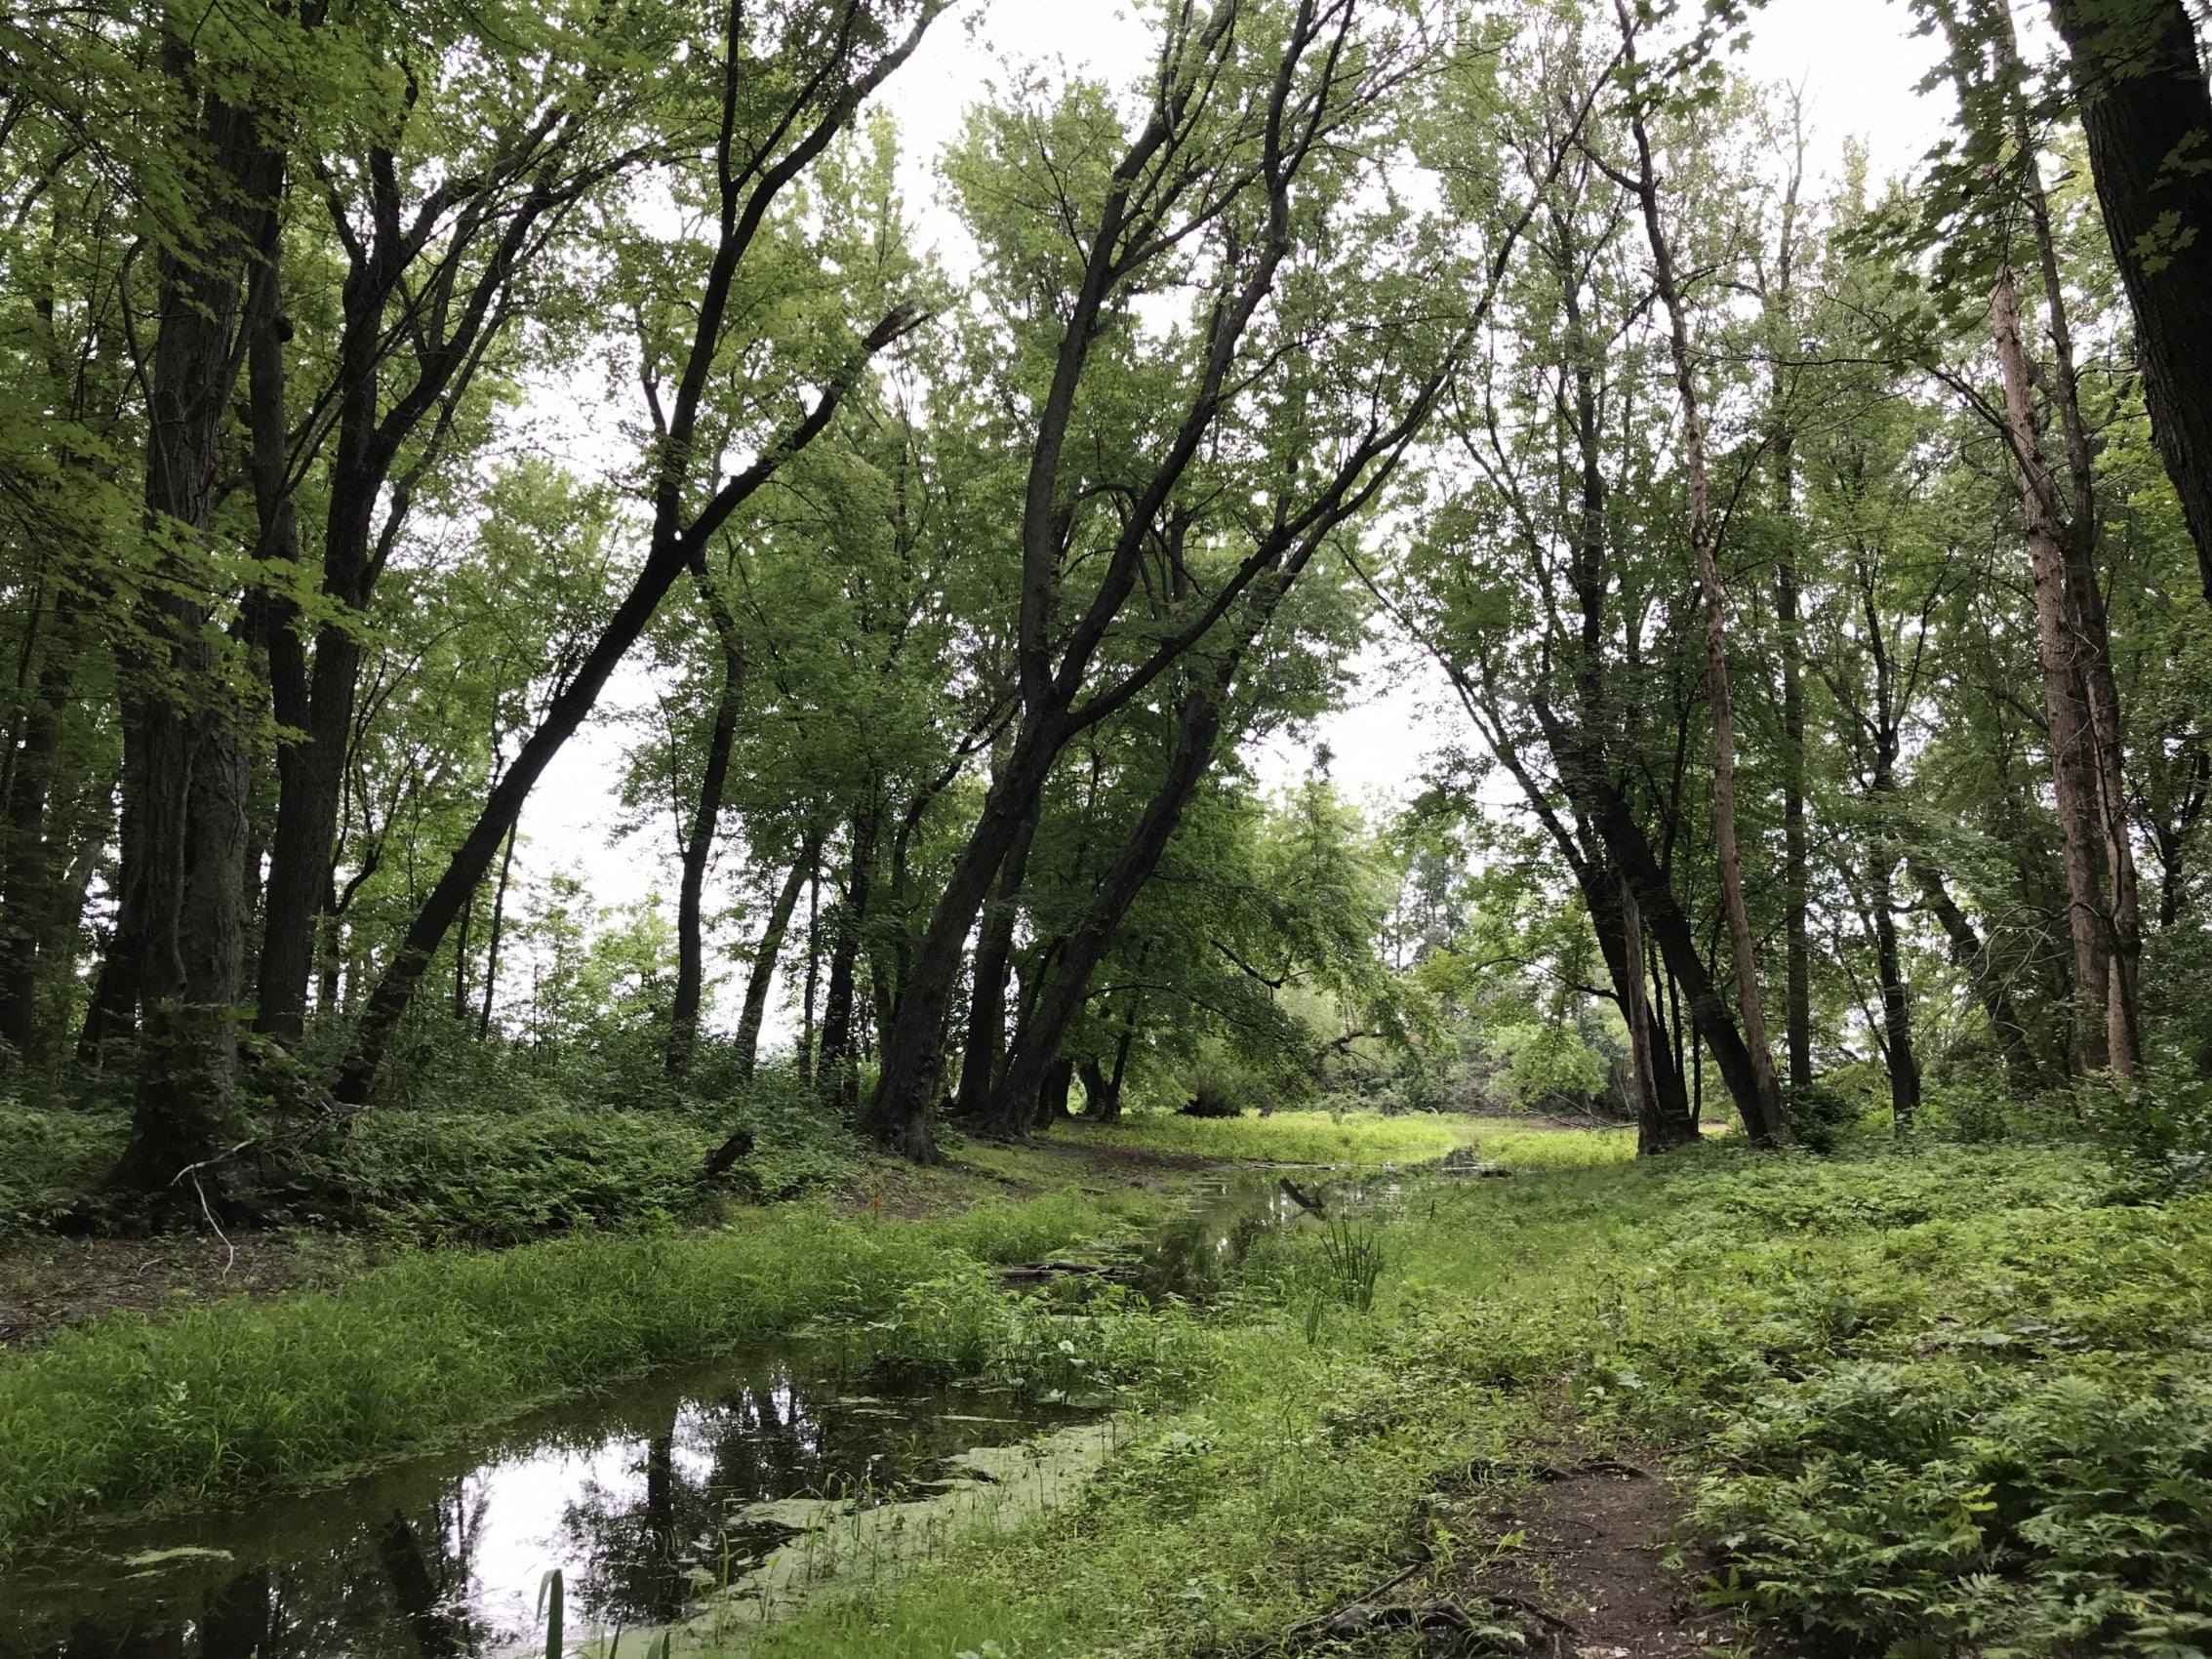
[[829, 69]]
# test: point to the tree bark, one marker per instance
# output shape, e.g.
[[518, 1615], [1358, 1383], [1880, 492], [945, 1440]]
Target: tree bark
[[814, 972], [987, 990], [1669, 928], [27, 890], [2023, 1069], [698, 844], [1197, 725], [747, 1049], [183, 728], [2072, 738], [838, 1071], [1766, 1121], [492, 945], [1797, 1016], [1896, 1002], [2146, 112]]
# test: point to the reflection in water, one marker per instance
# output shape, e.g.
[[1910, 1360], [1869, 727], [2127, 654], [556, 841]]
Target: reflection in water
[[636, 1504], [643, 1503]]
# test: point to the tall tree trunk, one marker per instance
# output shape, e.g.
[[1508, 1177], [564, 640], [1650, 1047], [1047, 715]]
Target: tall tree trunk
[[1795, 861], [1897, 1003], [2066, 718], [1662, 1109], [838, 1075], [184, 726], [698, 844], [2146, 112], [814, 972], [765, 956], [1101, 1101], [492, 944], [1051, 1093], [913, 1059], [1669, 928], [27, 890], [1743, 944], [1197, 725], [987, 990]]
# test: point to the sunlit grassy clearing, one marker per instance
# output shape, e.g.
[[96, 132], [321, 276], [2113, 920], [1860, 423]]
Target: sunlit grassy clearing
[[1357, 1138], [1288, 1137]]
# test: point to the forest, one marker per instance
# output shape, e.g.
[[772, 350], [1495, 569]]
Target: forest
[[1006, 1149]]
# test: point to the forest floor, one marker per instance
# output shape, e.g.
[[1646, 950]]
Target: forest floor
[[49, 1282], [1908, 1397]]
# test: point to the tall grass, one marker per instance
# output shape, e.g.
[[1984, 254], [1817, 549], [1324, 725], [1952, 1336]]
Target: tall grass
[[216, 1400]]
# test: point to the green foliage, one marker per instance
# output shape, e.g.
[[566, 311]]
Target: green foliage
[[2157, 1130], [1099, 1341], [53, 1155], [219, 1399], [497, 1178]]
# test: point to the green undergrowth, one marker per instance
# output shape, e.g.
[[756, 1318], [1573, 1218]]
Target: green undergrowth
[[1923, 1400], [508, 1177], [216, 1400], [45, 1157]]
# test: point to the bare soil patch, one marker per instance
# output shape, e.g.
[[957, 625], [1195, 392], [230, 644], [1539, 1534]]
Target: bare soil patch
[[1590, 1571], [1580, 1572], [53, 1282]]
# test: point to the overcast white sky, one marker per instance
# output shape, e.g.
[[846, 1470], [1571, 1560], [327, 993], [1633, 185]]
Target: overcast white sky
[[1855, 61]]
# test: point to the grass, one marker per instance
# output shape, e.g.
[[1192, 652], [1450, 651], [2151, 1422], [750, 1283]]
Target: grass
[[217, 1400], [1288, 1137], [1923, 1400], [1926, 1400]]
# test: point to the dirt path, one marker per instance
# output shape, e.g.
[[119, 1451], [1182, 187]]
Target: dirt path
[[1583, 1576], [1590, 1571]]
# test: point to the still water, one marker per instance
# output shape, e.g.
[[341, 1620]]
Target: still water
[[716, 1485]]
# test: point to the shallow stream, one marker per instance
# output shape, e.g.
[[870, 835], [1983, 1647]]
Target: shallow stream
[[719, 1493]]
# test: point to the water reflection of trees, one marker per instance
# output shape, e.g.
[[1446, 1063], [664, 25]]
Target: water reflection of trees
[[643, 1543], [403, 1576], [391, 1570]]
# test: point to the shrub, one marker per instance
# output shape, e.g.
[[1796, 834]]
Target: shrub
[[490, 1178], [1210, 1098], [51, 1154], [2157, 1131]]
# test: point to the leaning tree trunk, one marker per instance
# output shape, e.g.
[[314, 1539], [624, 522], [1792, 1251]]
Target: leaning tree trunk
[[27, 890], [837, 1074], [1711, 1020], [674, 541], [987, 990], [1664, 1120], [2146, 112], [747, 1049], [699, 846], [1197, 726], [1766, 1123], [2024, 1069]]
